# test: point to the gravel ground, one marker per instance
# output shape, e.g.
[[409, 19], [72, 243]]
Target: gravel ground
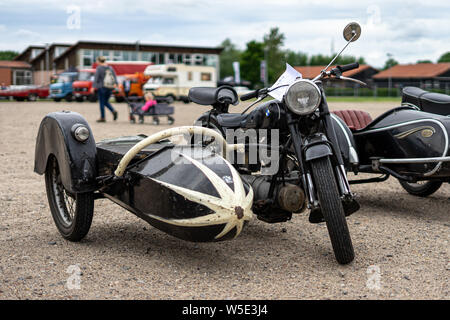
[[401, 242]]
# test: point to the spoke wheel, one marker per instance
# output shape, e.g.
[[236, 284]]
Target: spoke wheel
[[421, 188], [72, 213]]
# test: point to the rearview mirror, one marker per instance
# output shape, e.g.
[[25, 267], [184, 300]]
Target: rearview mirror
[[352, 31]]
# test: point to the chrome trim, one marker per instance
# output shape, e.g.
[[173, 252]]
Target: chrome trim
[[438, 166], [416, 160]]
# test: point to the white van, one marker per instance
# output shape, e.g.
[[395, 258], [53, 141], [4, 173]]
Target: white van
[[173, 81]]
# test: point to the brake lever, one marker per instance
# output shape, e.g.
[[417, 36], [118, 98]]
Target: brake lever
[[354, 80]]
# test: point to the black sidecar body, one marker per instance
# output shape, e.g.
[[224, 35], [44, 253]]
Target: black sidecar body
[[405, 142], [186, 191]]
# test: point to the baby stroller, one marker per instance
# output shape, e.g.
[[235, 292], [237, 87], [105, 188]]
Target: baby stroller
[[162, 108]]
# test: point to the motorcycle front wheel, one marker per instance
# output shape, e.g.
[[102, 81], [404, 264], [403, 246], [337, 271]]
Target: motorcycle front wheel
[[421, 189], [332, 210]]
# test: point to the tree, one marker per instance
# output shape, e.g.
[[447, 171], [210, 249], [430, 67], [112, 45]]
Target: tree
[[296, 58], [273, 42], [323, 60], [445, 57], [8, 55], [424, 61], [390, 63], [251, 61], [229, 54]]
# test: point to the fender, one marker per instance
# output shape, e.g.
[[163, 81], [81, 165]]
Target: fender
[[77, 160], [317, 147]]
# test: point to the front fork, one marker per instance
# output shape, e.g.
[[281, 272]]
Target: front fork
[[349, 204]]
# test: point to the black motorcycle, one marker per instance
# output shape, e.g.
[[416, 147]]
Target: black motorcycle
[[310, 163]]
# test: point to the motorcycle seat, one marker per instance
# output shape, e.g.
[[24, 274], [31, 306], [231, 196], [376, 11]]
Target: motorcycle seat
[[210, 96], [232, 120], [438, 103], [354, 119]]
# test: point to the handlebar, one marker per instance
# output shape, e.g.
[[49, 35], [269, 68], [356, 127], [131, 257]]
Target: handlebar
[[347, 67], [250, 95]]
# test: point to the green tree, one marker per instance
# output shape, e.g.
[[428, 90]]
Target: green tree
[[273, 43], [390, 63], [424, 61], [8, 55], [323, 60], [296, 58], [251, 60], [445, 57], [229, 54]]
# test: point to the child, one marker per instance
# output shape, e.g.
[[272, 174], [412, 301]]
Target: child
[[149, 102]]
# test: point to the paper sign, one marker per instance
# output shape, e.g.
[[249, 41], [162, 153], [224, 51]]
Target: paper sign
[[287, 78]]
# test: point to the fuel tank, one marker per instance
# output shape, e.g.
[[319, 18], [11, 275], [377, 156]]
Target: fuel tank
[[185, 191]]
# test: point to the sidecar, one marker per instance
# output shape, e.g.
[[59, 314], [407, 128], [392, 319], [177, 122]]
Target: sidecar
[[405, 142], [186, 191]]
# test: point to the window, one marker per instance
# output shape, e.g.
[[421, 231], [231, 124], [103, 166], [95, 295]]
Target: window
[[87, 58], [146, 56], [205, 76], [117, 56], [59, 51], [168, 81], [180, 58], [22, 77], [162, 59], [187, 59], [198, 59], [189, 76], [171, 58]]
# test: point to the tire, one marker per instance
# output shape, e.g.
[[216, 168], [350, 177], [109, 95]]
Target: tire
[[32, 97], [332, 210], [170, 120], [79, 99], [69, 98], [423, 189], [155, 121], [92, 98], [57, 99], [72, 223], [170, 99]]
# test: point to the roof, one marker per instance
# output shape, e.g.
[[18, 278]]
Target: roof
[[49, 48], [20, 56], [419, 70], [14, 64], [142, 46], [309, 72]]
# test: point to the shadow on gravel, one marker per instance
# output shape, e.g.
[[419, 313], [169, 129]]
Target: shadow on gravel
[[257, 247], [434, 207]]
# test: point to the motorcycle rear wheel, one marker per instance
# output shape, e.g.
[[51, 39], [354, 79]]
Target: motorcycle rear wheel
[[423, 189], [332, 210]]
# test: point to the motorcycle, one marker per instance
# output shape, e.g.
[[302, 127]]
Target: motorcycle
[[310, 164]]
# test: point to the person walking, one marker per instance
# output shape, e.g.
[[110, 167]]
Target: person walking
[[104, 81]]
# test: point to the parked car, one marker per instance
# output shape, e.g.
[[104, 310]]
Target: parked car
[[82, 87], [25, 92], [61, 86]]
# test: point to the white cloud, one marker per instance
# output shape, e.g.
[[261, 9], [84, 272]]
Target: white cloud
[[410, 31]]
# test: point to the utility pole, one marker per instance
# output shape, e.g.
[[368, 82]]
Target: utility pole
[[266, 65], [389, 55]]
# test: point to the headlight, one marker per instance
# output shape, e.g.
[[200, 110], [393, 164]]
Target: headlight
[[303, 97], [80, 132]]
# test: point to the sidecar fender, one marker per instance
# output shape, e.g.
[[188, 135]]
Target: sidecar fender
[[77, 160], [317, 147]]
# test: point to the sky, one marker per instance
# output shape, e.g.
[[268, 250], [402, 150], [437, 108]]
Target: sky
[[408, 30]]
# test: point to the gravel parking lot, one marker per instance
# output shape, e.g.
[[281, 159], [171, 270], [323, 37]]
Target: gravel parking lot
[[401, 242]]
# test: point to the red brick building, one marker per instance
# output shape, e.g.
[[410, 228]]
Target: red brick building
[[15, 73]]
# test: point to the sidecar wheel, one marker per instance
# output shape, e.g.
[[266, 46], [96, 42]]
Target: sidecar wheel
[[72, 213], [421, 189], [332, 210]]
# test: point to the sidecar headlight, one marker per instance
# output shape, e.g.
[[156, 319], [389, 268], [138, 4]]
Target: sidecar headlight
[[80, 132], [303, 97]]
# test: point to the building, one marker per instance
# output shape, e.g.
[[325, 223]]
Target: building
[[363, 73], [423, 75], [15, 73], [81, 55]]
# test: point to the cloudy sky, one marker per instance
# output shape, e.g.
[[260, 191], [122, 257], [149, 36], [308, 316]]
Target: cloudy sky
[[409, 30]]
